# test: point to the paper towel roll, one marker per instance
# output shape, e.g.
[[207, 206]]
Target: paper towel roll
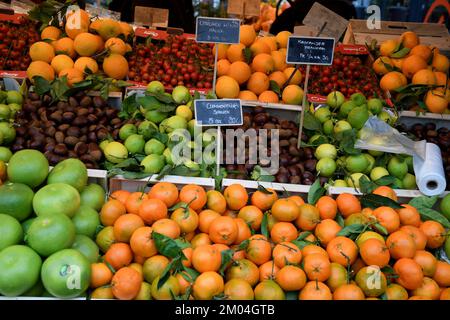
[[430, 176]]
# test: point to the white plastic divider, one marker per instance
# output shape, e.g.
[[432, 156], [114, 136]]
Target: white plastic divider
[[99, 177], [293, 189], [120, 183]]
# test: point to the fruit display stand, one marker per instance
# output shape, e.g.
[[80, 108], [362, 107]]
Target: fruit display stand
[[120, 183], [432, 34]]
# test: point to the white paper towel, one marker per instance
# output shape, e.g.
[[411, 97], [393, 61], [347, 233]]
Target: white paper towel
[[430, 176]]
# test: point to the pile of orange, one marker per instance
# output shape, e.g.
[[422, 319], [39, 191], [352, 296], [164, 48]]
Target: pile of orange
[[277, 246], [419, 65], [245, 70], [70, 52]]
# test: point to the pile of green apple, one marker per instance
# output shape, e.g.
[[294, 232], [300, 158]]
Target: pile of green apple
[[148, 136], [343, 119], [10, 103]]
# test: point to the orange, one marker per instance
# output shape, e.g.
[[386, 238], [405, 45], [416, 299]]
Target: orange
[[286, 210], [396, 292], [268, 271], [401, 245], [86, 44], [61, 62], [279, 59], [268, 96], [442, 274], [297, 199], [50, 33], [342, 250], [259, 47], [188, 254], [270, 40], [420, 239], [308, 218], [348, 292], [436, 101], [200, 239], [264, 63], [441, 78], [258, 249], [282, 38], [283, 231], [42, 51], [236, 196], [409, 215], [292, 94], [422, 51], [184, 284], [327, 230], [102, 293], [116, 45], [245, 270], [227, 87], [125, 225], [193, 195], [115, 66], [338, 276], [167, 227], [126, 283], [317, 267], [152, 210], [434, 232], [374, 252], [77, 21], [73, 75], [393, 80], [263, 200], [312, 248], [424, 76], [119, 255], [121, 195], [291, 278], [64, 46], [238, 289], [379, 65], [327, 207], [134, 201], [258, 83], [223, 230], [100, 275], [445, 294], [429, 289], [239, 71], [235, 53], [413, 64], [348, 204], [142, 243], [247, 95], [207, 285], [216, 201], [427, 262], [111, 211], [296, 79], [252, 215], [40, 68], [205, 218], [222, 51], [86, 62], [153, 267], [315, 290], [385, 191], [286, 253], [388, 218], [388, 47], [409, 272], [165, 191], [187, 219], [247, 35], [206, 258], [279, 77], [440, 63], [409, 39], [223, 66], [243, 232]]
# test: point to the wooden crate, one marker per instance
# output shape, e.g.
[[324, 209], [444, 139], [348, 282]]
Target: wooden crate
[[431, 34]]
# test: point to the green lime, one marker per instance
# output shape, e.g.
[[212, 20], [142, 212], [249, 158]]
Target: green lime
[[397, 167], [185, 112], [116, 152], [328, 127], [409, 181], [377, 173], [70, 171], [335, 99], [323, 114], [8, 132], [155, 116], [16, 200], [375, 105], [93, 196], [14, 97], [153, 163], [353, 179], [356, 163], [87, 247], [154, 146], [135, 144], [326, 167], [326, 150], [340, 183], [10, 230], [126, 131], [5, 112], [155, 87], [371, 161], [358, 117], [86, 221], [51, 233], [345, 109], [341, 126], [358, 98], [56, 199], [29, 167]]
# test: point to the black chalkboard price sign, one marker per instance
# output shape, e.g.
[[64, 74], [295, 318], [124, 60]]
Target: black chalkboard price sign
[[310, 50], [218, 112], [217, 30]]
